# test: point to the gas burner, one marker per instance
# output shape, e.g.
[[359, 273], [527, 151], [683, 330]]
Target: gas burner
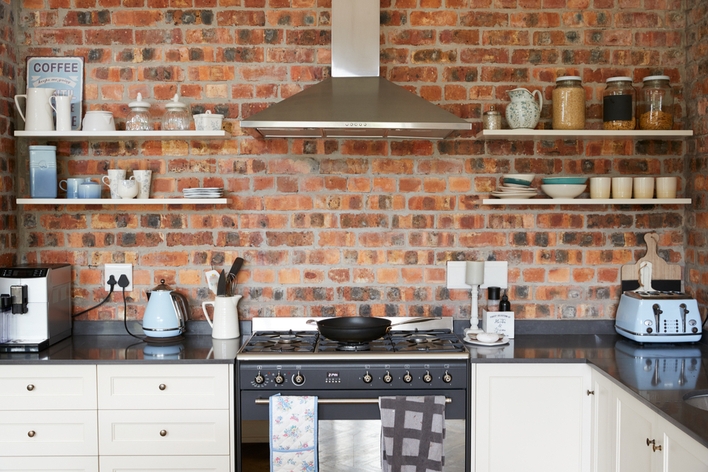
[[291, 341], [350, 347]]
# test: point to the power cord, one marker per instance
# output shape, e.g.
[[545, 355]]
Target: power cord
[[112, 282], [123, 282]]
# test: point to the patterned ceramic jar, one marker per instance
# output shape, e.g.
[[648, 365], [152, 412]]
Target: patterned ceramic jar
[[523, 111]]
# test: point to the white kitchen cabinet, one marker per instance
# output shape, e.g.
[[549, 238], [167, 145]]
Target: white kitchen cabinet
[[682, 453], [24, 387], [49, 464], [164, 463], [48, 433], [604, 414], [532, 417]]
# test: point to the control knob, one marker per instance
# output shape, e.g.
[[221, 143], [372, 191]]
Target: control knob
[[368, 378], [407, 378], [298, 379], [427, 378], [387, 377], [279, 379], [259, 379], [447, 378]]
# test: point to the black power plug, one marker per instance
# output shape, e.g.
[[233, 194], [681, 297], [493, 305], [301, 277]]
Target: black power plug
[[122, 281], [111, 281]]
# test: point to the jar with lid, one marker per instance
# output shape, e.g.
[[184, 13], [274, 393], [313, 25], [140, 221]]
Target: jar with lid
[[177, 117], [656, 103], [568, 103], [618, 104], [139, 118], [492, 118]]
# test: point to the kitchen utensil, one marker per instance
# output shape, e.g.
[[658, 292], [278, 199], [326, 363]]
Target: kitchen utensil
[[233, 272], [166, 312], [128, 188], [600, 187], [62, 108], [666, 187], [359, 329], [98, 121], [643, 187], [139, 117], [523, 111], [564, 180], [38, 114], [225, 324], [563, 190], [658, 317], [43, 171], [519, 179], [112, 179], [71, 186], [89, 189], [221, 285], [208, 121], [143, 179], [177, 117], [212, 278], [621, 187], [662, 272]]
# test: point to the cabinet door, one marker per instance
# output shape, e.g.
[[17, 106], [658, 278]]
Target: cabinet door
[[48, 433], [49, 464], [681, 453], [59, 387], [532, 417], [164, 463], [164, 432], [150, 387], [635, 423], [604, 422]]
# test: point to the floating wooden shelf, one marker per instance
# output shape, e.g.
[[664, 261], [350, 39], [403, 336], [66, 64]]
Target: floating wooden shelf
[[581, 133], [586, 201], [124, 201], [84, 135]]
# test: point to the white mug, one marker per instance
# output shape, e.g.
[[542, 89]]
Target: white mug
[[127, 188], [643, 187], [111, 180], [621, 187], [225, 324], [38, 116], [666, 187], [62, 108], [143, 177], [600, 187]]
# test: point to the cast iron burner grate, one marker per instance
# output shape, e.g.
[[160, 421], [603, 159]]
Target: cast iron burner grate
[[288, 341]]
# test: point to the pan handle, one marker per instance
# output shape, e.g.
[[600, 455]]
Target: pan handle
[[311, 321], [419, 319]]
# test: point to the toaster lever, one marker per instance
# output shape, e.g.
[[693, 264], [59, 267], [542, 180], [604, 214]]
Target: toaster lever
[[684, 312], [657, 316]]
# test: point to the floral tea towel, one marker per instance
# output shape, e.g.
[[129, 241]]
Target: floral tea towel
[[293, 433]]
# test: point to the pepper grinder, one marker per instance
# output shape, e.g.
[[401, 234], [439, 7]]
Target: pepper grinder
[[139, 118]]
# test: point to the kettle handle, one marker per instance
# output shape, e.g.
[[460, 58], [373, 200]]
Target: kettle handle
[[206, 313], [540, 99], [179, 300]]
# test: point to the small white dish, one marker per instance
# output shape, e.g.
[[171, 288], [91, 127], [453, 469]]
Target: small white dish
[[498, 342], [488, 337], [512, 195]]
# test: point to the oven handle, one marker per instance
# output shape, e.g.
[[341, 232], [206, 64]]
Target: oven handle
[[341, 401]]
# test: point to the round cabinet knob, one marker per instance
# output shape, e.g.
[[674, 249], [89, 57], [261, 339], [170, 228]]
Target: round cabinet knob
[[427, 378], [30, 387], [279, 379], [447, 378], [387, 377], [298, 379], [259, 379], [368, 378], [163, 433], [162, 386], [31, 434], [407, 378]]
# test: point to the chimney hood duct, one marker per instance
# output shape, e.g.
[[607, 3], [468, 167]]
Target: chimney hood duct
[[355, 102]]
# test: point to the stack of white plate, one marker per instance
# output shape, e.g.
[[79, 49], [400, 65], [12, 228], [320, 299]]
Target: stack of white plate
[[515, 186], [206, 192]]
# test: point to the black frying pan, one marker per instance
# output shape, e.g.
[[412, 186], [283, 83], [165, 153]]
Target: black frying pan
[[358, 329]]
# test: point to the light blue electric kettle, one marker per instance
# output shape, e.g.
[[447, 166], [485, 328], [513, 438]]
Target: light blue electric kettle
[[166, 312]]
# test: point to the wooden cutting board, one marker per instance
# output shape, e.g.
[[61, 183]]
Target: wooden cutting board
[[661, 270]]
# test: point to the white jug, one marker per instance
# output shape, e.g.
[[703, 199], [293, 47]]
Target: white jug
[[225, 324], [38, 114]]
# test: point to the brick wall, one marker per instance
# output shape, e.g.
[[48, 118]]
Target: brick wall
[[8, 66], [697, 150], [343, 227]]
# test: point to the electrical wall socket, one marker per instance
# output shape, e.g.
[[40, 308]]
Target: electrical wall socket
[[116, 270]]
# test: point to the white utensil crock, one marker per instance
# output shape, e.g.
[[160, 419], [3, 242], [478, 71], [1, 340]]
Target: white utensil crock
[[225, 324], [38, 114]]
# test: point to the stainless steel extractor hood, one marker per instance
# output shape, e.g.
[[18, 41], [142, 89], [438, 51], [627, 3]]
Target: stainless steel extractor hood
[[355, 102]]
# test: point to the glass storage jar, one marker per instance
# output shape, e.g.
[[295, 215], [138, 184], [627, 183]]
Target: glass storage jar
[[568, 103], [139, 118], [618, 104], [656, 103], [492, 119], [177, 117]]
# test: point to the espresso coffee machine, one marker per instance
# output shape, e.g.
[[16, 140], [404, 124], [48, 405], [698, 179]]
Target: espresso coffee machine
[[35, 306]]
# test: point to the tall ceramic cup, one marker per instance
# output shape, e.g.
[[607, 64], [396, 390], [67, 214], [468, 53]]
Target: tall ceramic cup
[[225, 324], [112, 179], [62, 108], [143, 178], [38, 112]]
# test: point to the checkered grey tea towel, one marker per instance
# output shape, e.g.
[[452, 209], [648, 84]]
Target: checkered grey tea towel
[[412, 433]]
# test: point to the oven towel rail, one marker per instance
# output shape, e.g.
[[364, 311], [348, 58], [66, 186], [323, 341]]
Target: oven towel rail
[[412, 433], [293, 433]]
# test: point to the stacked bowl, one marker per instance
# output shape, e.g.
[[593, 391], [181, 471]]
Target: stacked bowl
[[515, 186], [564, 187]]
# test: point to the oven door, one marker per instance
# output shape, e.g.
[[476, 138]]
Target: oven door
[[349, 427]]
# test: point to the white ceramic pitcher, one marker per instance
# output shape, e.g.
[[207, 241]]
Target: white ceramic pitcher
[[225, 324], [523, 111], [38, 112]]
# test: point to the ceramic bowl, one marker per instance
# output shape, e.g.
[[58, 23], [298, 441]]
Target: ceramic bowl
[[563, 190], [519, 179], [564, 180]]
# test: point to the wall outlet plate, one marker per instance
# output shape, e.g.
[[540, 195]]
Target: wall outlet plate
[[116, 270], [495, 275]]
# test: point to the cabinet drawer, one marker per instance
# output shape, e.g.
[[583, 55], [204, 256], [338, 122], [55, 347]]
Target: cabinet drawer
[[49, 464], [48, 433], [164, 432], [163, 463], [30, 387], [192, 387]]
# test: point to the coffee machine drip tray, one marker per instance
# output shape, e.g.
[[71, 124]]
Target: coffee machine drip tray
[[19, 345]]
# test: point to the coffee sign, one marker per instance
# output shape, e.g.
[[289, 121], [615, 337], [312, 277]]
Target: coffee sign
[[64, 74]]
